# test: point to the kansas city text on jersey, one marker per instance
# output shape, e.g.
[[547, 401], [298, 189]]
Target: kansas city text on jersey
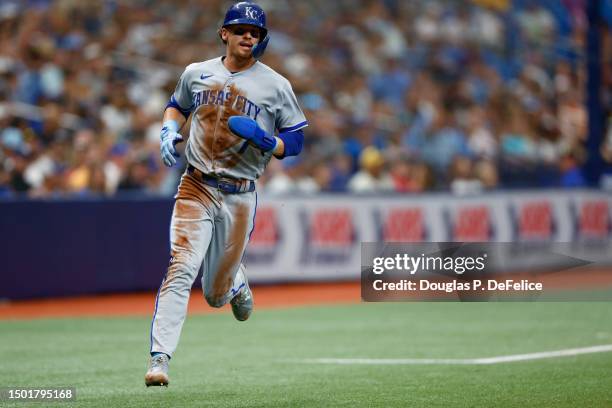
[[220, 97]]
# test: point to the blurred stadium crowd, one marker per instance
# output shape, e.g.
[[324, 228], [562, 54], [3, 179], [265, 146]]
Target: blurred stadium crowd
[[401, 96]]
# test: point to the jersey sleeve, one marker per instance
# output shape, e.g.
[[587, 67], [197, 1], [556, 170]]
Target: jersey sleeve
[[290, 116], [182, 93]]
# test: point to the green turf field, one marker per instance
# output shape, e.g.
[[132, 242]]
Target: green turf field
[[222, 363]]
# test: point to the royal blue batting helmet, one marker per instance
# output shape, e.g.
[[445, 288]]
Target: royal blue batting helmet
[[249, 13], [246, 13]]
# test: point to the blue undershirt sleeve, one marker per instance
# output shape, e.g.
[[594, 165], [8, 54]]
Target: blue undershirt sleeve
[[293, 142]]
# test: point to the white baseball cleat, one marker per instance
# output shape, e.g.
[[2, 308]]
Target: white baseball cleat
[[157, 374], [242, 303]]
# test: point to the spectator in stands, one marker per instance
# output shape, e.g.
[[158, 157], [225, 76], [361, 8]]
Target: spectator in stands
[[97, 180], [481, 140], [322, 177], [443, 142], [401, 175], [423, 177], [341, 170], [571, 174], [372, 176], [486, 172], [277, 180], [138, 176], [463, 177], [18, 164], [295, 176], [48, 163]]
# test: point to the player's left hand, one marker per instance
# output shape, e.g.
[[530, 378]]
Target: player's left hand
[[248, 129]]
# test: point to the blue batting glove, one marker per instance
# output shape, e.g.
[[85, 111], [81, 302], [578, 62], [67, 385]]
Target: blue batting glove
[[169, 138], [248, 129]]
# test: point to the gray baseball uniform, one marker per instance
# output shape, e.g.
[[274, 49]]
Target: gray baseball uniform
[[210, 228]]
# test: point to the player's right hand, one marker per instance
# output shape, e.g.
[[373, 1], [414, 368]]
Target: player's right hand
[[169, 138]]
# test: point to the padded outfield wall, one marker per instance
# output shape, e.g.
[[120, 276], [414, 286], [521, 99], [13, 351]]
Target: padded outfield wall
[[66, 248]]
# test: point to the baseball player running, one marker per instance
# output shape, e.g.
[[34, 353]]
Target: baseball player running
[[236, 105]]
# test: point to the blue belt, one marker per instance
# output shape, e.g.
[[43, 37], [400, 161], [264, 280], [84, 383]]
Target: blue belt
[[225, 184]]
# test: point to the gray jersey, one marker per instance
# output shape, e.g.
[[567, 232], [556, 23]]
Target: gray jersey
[[214, 94]]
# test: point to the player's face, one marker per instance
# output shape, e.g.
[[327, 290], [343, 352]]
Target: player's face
[[241, 39]]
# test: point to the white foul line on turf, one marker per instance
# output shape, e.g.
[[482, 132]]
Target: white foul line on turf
[[461, 361]]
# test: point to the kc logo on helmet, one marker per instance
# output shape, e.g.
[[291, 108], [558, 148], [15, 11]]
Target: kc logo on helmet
[[251, 13]]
